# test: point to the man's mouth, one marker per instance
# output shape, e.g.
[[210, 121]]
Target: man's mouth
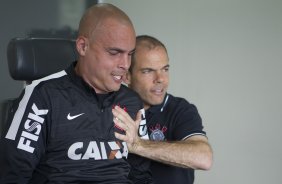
[[117, 78], [157, 91]]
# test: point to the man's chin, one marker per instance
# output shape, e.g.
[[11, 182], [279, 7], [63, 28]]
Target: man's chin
[[116, 88], [156, 101]]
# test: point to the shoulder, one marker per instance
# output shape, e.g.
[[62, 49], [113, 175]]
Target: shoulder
[[129, 96], [57, 79], [54, 80], [47, 87], [179, 103], [126, 91], [176, 101]]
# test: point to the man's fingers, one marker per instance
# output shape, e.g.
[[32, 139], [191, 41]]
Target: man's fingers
[[120, 136], [122, 116], [120, 124]]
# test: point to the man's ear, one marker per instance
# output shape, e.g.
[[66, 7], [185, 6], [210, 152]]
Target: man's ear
[[127, 78], [82, 45]]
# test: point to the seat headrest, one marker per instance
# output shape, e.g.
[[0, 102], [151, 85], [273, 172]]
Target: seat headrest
[[33, 58]]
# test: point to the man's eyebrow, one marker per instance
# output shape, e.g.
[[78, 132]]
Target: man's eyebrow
[[120, 50], [147, 68], [166, 66], [115, 49], [132, 51]]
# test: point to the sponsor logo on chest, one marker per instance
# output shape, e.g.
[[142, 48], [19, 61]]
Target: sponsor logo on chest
[[98, 150]]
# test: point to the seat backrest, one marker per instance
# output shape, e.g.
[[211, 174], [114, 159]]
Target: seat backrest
[[33, 58]]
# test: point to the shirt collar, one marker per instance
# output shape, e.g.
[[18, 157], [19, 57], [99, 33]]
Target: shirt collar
[[160, 107], [78, 80]]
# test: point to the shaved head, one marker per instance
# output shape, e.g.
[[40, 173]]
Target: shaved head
[[95, 18], [105, 43]]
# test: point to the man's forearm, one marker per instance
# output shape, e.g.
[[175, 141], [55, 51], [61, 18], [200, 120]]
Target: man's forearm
[[193, 153]]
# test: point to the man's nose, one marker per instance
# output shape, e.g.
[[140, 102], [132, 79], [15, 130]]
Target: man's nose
[[125, 62], [159, 76]]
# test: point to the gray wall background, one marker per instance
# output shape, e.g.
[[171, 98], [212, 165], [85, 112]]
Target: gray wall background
[[225, 57]]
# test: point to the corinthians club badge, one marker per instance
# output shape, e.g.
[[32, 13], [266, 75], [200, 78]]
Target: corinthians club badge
[[157, 133]]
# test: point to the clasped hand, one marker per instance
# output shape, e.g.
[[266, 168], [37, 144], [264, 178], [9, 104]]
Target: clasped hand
[[126, 123]]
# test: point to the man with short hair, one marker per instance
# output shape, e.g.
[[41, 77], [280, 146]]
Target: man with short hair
[[178, 143]]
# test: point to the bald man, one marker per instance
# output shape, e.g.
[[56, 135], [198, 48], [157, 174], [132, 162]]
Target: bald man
[[62, 128]]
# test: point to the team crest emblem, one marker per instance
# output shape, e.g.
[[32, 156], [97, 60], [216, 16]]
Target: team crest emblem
[[157, 133]]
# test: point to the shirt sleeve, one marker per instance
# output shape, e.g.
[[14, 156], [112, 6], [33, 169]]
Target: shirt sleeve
[[188, 121], [23, 139]]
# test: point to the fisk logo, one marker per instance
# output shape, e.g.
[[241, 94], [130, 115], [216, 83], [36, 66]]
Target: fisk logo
[[32, 128]]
